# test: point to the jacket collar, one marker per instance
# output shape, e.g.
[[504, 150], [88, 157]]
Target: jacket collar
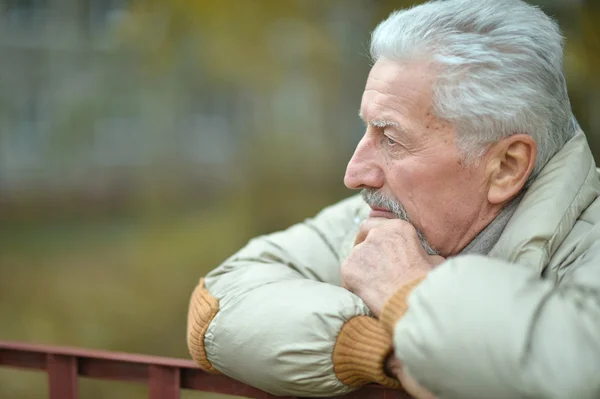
[[566, 186]]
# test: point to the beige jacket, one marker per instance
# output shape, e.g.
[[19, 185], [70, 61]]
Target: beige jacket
[[522, 322]]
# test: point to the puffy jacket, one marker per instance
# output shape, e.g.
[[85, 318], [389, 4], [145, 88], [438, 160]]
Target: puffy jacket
[[521, 322]]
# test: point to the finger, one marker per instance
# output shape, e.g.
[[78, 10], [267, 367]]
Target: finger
[[366, 226], [393, 366]]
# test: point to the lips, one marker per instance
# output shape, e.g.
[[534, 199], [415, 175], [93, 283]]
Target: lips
[[381, 213]]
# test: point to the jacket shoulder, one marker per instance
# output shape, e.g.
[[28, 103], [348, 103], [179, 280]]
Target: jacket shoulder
[[582, 243]]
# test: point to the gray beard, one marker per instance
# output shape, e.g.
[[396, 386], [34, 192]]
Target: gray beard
[[378, 200]]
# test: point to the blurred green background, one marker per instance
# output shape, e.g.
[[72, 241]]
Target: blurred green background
[[142, 142]]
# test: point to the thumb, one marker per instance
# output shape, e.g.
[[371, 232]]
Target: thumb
[[366, 226]]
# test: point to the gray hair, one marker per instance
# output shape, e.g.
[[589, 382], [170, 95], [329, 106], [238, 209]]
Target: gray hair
[[500, 65]]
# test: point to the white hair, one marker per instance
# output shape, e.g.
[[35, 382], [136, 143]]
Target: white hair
[[500, 65]]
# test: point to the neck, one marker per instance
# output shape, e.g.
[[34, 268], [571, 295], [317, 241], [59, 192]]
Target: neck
[[487, 236]]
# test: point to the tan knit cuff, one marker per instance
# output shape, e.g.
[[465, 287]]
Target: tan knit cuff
[[203, 308], [397, 305], [360, 353]]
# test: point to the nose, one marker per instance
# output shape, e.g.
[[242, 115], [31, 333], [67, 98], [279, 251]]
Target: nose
[[363, 171]]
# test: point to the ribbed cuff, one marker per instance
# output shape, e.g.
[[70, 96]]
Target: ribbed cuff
[[360, 353], [397, 305], [203, 308]]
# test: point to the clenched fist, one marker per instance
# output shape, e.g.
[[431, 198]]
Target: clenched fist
[[387, 254]]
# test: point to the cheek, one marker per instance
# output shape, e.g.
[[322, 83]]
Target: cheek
[[402, 179], [461, 193], [435, 192], [415, 187], [425, 179]]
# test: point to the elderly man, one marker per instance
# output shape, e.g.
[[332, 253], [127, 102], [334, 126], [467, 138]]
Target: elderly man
[[470, 265]]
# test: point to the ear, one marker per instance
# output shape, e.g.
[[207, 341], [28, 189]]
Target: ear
[[509, 166]]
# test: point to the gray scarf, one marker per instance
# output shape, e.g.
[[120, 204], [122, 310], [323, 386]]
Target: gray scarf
[[487, 238]]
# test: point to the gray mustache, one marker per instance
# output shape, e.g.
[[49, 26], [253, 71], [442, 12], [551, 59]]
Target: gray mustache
[[377, 199]]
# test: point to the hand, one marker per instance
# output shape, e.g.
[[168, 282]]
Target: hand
[[387, 254], [394, 368]]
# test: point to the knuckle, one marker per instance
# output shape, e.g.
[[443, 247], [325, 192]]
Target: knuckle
[[398, 225], [364, 225], [406, 227]]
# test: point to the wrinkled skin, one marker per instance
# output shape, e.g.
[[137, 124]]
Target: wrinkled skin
[[371, 271]]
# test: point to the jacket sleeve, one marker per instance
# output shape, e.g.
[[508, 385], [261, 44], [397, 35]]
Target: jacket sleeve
[[274, 315], [478, 327]]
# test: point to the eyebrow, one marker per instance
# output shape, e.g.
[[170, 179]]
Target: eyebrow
[[382, 123]]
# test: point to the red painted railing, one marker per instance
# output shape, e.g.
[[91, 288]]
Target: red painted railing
[[164, 376]]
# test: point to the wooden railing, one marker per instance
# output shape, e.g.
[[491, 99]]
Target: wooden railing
[[164, 376]]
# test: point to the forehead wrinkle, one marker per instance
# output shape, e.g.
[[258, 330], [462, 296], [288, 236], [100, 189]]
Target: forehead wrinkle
[[381, 122], [394, 95], [378, 82], [386, 101]]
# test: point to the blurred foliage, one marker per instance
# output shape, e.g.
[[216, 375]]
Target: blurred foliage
[[111, 265]]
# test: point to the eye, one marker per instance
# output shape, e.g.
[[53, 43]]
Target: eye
[[390, 141]]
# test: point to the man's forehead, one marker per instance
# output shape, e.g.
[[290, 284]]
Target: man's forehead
[[382, 110], [397, 92]]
